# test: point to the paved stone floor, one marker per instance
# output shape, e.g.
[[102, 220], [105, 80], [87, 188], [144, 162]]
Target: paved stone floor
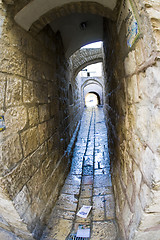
[[88, 183]]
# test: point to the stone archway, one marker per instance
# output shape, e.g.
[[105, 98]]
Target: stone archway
[[92, 85], [84, 57]]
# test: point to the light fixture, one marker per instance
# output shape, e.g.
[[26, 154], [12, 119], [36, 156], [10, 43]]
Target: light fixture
[[83, 25]]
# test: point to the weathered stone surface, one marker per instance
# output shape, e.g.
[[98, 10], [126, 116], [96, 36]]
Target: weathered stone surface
[[2, 90], [15, 119], [98, 208], [137, 178], [86, 191], [109, 206], [41, 92], [60, 229], [130, 63], [103, 230], [11, 153], [132, 88], [28, 92], [139, 54], [29, 140], [67, 202], [73, 179], [6, 235], [14, 91], [70, 189], [34, 70], [102, 191], [43, 132], [22, 200], [12, 61], [127, 215], [44, 112], [147, 169], [33, 116], [12, 219], [145, 196]]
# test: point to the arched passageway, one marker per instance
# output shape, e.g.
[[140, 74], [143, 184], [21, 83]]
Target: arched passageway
[[41, 121], [92, 99]]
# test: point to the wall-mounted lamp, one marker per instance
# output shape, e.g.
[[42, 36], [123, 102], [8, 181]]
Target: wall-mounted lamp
[[83, 25]]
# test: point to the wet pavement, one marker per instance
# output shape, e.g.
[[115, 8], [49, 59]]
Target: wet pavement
[[88, 183]]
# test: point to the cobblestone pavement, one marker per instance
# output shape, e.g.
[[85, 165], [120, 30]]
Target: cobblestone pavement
[[88, 183]]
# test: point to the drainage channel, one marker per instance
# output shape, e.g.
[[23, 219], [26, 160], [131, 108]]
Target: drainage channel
[[73, 234]]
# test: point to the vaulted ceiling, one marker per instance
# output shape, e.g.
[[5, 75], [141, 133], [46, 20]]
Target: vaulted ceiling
[[79, 22]]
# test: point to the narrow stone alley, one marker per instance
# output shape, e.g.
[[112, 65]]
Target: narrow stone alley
[[88, 183]]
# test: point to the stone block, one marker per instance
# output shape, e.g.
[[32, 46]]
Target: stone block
[[22, 201], [52, 93], [139, 53], [154, 206], [137, 178], [36, 182], [30, 141], [98, 208], [147, 165], [136, 217], [153, 234], [49, 165], [39, 155], [34, 70], [106, 229], [135, 147], [15, 119], [14, 91], [53, 142], [11, 153], [2, 89], [41, 92], [12, 61], [129, 190], [150, 222], [148, 83], [60, 229], [156, 35], [28, 92], [143, 116], [145, 196], [44, 113], [130, 63], [109, 206], [43, 132], [127, 215], [33, 116], [21, 174], [67, 202], [132, 90]]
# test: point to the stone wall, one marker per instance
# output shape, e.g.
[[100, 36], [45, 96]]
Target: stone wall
[[34, 82], [132, 106]]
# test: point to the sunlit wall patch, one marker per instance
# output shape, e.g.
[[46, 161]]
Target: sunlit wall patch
[[2, 123]]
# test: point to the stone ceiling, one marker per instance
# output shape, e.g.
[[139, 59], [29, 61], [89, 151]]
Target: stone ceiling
[[79, 22]]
